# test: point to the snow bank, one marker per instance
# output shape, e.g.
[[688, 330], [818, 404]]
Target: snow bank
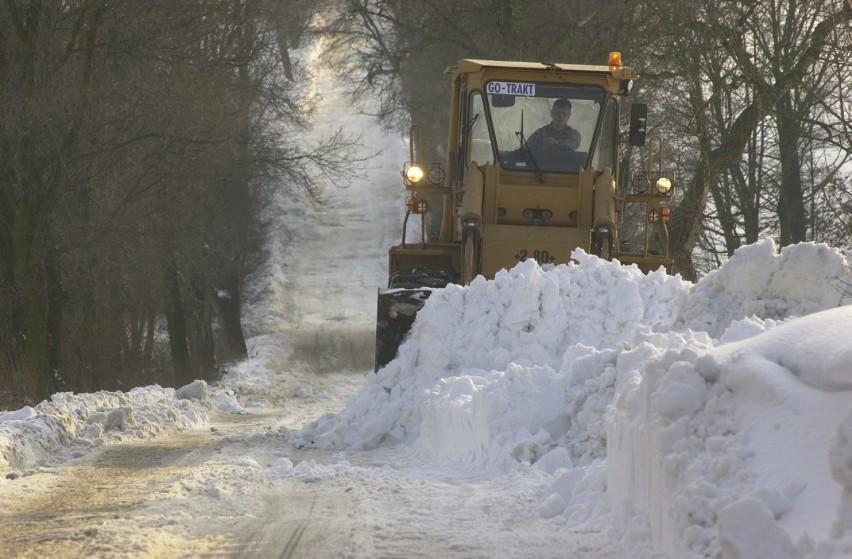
[[688, 407], [700, 439], [67, 425], [757, 282]]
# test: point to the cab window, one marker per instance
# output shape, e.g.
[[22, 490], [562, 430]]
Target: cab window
[[544, 127], [606, 151], [480, 149]]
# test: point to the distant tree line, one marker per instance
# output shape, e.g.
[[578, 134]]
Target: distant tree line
[[753, 99], [139, 141]]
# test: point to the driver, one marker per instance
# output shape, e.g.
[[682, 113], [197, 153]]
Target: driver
[[556, 138]]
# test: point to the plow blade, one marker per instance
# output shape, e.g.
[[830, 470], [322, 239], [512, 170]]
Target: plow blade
[[397, 309]]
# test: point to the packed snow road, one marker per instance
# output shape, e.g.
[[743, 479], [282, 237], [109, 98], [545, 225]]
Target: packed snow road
[[191, 494], [236, 489]]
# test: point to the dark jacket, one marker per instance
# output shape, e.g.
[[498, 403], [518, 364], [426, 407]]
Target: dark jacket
[[568, 139]]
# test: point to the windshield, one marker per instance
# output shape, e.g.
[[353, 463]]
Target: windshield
[[543, 127]]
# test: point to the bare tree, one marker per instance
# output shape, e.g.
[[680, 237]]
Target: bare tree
[[139, 143], [727, 53]]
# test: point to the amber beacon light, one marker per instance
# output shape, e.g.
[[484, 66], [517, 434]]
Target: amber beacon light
[[615, 59]]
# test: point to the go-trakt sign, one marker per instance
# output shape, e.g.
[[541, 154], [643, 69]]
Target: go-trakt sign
[[511, 88]]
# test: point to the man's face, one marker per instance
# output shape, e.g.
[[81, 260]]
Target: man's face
[[560, 116]]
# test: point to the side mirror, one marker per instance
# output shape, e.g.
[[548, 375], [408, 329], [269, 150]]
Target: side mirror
[[638, 124]]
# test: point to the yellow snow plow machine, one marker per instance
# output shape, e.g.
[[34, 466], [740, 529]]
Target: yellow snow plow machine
[[532, 172]]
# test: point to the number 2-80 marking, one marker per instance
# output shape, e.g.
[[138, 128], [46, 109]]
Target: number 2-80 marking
[[540, 256]]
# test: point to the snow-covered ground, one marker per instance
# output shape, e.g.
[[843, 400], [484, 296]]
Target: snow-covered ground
[[585, 410]]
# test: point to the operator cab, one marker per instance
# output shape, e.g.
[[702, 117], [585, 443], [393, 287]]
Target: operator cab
[[504, 119]]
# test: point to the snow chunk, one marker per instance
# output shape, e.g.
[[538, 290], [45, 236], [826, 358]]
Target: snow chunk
[[681, 392], [821, 363], [551, 506], [116, 419], [196, 390], [739, 527], [556, 459], [22, 414]]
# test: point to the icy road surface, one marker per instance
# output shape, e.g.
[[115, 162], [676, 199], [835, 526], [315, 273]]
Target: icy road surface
[[214, 493]]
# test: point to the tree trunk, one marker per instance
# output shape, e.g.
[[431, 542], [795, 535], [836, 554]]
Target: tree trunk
[[176, 321], [199, 318], [791, 201], [724, 209], [686, 223], [228, 304], [55, 305], [31, 315]]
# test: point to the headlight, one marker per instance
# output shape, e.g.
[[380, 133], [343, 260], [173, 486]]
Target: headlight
[[414, 174], [664, 185]]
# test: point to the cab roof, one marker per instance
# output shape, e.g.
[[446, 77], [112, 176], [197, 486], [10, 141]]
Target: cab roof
[[471, 65]]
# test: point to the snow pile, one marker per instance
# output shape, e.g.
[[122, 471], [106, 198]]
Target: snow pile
[[690, 408], [503, 352], [69, 424], [758, 282]]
